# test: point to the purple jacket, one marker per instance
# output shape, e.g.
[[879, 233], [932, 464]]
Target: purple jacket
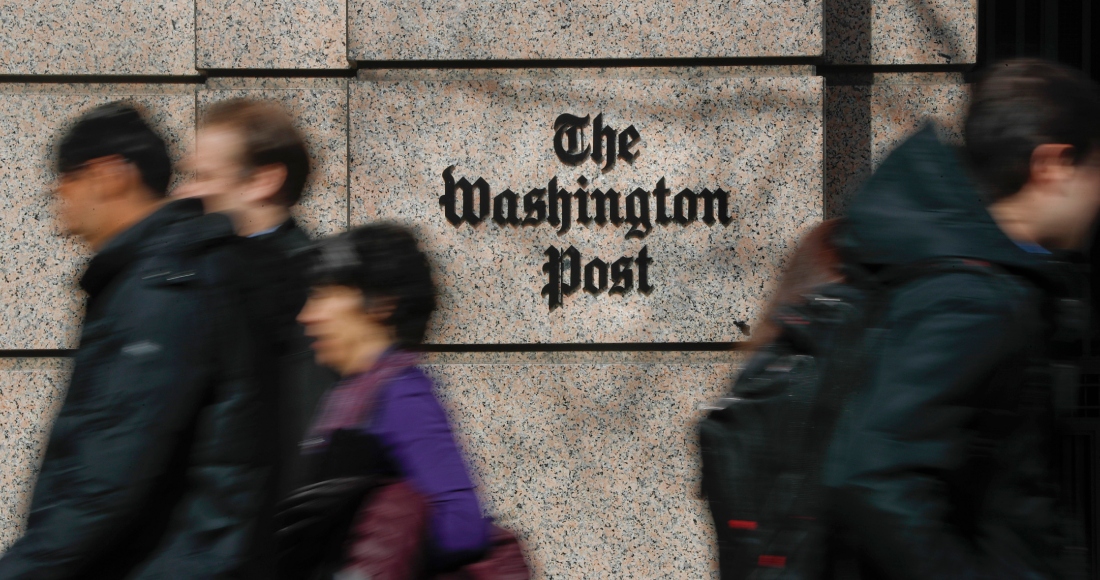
[[413, 427]]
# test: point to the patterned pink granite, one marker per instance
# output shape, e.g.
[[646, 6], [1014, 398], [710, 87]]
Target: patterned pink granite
[[279, 34], [866, 121], [758, 138], [102, 37], [594, 466], [901, 31], [40, 304], [31, 393], [582, 29]]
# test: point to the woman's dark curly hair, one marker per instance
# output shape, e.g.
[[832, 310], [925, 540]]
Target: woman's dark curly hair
[[382, 260]]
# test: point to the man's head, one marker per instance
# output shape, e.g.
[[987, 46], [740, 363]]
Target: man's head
[[113, 169], [1033, 139], [250, 161]]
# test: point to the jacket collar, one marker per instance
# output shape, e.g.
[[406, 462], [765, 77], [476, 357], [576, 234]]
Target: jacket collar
[[278, 230], [127, 247]]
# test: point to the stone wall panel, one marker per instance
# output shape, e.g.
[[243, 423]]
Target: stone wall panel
[[901, 32], [866, 121], [31, 393], [582, 29], [40, 303], [594, 466], [275, 34], [97, 37], [758, 139]]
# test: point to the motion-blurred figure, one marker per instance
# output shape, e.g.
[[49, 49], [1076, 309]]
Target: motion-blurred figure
[[251, 163], [151, 468], [941, 468], [371, 300]]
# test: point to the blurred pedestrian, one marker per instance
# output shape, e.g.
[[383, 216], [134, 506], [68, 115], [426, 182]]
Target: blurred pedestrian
[[251, 163], [151, 469], [371, 300], [942, 467]]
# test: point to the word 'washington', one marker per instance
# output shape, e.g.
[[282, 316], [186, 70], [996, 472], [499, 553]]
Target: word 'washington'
[[640, 209]]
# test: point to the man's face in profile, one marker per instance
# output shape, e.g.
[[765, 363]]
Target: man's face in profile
[[73, 200], [219, 178], [1074, 211], [83, 195]]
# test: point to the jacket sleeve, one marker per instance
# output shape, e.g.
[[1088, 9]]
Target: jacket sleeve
[[132, 397], [910, 433], [415, 429]]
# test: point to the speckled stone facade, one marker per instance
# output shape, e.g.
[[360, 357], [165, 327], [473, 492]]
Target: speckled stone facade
[[588, 455], [901, 32], [582, 29], [31, 392], [759, 139], [275, 34], [97, 37], [40, 305], [866, 121], [607, 482]]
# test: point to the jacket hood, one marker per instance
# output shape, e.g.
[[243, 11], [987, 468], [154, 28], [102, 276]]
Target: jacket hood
[[922, 204]]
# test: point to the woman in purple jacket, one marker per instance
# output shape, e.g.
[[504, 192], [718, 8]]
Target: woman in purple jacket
[[372, 296]]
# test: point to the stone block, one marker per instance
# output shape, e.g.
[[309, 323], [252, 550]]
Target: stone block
[[866, 121], [320, 108], [276, 34], [893, 32], [31, 393], [758, 140], [97, 37], [595, 467], [40, 303], [582, 29]]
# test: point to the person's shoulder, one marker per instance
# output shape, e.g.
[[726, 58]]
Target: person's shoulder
[[290, 239], [993, 293], [410, 398], [195, 232], [410, 383], [414, 381]]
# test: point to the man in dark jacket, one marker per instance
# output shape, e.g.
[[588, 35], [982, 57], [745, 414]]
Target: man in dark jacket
[[942, 466], [151, 468], [251, 163]]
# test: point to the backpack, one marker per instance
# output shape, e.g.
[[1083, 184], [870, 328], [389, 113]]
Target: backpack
[[764, 446]]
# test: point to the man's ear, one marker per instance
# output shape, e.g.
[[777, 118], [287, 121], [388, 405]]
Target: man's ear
[[265, 183], [1051, 163]]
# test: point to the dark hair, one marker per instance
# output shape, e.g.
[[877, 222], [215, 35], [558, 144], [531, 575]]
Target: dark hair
[[382, 260], [269, 137], [815, 262], [117, 129], [1018, 105]]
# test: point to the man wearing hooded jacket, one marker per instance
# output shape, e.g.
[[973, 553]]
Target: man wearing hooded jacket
[[152, 467], [941, 468]]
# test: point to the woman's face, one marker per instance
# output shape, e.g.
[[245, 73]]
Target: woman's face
[[336, 318]]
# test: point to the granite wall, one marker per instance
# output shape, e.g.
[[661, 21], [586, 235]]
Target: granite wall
[[573, 387]]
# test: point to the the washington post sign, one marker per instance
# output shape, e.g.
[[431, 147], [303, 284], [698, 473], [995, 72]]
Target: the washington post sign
[[595, 210]]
